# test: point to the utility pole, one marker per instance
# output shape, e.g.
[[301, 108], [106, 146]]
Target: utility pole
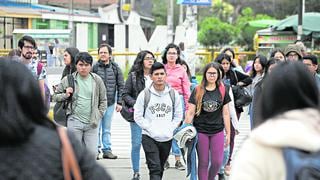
[[180, 14], [170, 21], [191, 36], [70, 25], [300, 19]]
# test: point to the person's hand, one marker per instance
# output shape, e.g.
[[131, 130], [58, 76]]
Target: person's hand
[[240, 84], [54, 88], [237, 132], [69, 91], [118, 108]]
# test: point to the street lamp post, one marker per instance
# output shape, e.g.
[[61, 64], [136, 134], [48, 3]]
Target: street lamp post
[[70, 24], [300, 19]]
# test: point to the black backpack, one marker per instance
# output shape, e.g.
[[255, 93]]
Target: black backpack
[[301, 165]]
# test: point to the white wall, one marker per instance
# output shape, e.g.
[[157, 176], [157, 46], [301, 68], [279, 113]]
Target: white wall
[[119, 43], [82, 36]]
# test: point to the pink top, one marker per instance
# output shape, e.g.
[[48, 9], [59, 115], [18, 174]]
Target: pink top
[[178, 79]]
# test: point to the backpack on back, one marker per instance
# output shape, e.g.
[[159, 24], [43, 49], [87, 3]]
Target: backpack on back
[[301, 165], [46, 88]]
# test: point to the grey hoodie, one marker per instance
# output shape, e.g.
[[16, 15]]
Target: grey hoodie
[[158, 122]]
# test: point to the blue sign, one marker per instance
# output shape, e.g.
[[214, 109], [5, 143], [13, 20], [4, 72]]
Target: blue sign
[[195, 2]]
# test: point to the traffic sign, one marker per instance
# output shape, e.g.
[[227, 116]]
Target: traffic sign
[[195, 2]]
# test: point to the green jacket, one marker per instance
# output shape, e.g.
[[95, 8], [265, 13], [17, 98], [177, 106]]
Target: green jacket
[[99, 99]]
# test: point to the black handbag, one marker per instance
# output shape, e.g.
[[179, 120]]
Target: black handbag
[[127, 112], [242, 96], [60, 108]]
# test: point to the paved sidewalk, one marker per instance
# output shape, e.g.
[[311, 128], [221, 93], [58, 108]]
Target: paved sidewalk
[[120, 169]]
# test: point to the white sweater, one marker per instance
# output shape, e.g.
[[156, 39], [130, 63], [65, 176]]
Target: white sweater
[[158, 122]]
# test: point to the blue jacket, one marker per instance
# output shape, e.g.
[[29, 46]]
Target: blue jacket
[[191, 154]]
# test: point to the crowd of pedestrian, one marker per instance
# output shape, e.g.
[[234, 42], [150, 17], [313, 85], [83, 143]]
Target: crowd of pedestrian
[[156, 99]]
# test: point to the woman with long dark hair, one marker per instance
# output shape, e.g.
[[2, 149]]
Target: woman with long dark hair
[[290, 118], [257, 73], [232, 78], [30, 144], [209, 113], [69, 60], [137, 80]]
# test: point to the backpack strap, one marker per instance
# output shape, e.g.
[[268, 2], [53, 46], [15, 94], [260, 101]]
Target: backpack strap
[[115, 69], [39, 68], [95, 68], [134, 81], [70, 84], [222, 89], [70, 164], [146, 100], [173, 99]]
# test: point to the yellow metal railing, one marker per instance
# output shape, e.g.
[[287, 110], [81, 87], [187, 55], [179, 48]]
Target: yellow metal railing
[[206, 55], [4, 52], [94, 54]]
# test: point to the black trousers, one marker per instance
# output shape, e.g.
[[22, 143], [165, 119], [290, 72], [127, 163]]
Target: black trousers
[[156, 155]]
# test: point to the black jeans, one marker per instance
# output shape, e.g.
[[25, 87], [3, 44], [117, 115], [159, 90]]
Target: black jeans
[[156, 155]]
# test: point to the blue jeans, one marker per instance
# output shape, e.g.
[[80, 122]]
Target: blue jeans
[[105, 129], [136, 136], [225, 157], [175, 148]]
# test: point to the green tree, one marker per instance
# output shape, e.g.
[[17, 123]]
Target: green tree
[[159, 12], [222, 10], [245, 33], [214, 32]]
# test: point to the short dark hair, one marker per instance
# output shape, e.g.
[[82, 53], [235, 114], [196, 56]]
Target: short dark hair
[[156, 66], [105, 45], [164, 56], [84, 57], [28, 39], [269, 63], [311, 57], [231, 50], [221, 57], [290, 86]]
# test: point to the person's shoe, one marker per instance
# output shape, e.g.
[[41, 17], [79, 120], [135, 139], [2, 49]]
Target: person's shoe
[[109, 155], [99, 156], [227, 170], [136, 176], [179, 165], [166, 165], [221, 176]]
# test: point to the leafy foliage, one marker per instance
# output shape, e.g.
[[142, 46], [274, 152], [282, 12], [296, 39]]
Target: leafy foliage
[[214, 32], [244, 31]]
